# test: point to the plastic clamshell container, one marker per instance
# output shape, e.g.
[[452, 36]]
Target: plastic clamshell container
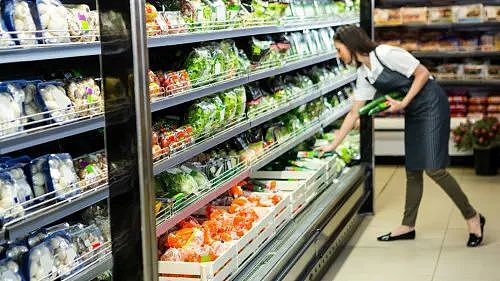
[[217, 270]]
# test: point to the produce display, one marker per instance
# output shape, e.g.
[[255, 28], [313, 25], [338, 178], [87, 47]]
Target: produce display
[[26, 183], [435, 15], [25, 103], [55, 251], [181, 16], [45, 22]]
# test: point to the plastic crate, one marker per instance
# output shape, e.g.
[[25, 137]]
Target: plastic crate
[[296, 190], [218, 270]]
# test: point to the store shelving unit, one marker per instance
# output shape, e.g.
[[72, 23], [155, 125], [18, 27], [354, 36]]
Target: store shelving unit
[[458, 25], [472, 83], [455, 54], [111, 50]]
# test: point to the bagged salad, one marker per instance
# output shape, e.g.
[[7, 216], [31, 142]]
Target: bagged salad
[[241, 101], [201, 116], [198, 65], [51, 98], [230, 103], [85, 96], [220, 112], [20, 18], [12, 99], [173, 182], [81, 24], [54, 21]]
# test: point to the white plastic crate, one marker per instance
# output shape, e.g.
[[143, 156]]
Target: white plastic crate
[[245, 245], [217, 270], [309, 176], [282, 218], [296, 190]]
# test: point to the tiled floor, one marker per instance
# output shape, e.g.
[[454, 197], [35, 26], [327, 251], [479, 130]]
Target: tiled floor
[[439, 252]]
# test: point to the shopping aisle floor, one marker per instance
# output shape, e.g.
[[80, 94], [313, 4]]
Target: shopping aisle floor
[[439, 252]]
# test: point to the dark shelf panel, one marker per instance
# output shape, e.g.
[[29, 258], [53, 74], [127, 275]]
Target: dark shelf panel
[[27, 140], [457, 25], [479, 83]]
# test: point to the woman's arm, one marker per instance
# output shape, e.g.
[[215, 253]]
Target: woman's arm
[[349, 123], [421, 76]]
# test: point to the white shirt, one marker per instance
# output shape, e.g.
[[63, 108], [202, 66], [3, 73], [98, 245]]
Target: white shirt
[[395, 58]]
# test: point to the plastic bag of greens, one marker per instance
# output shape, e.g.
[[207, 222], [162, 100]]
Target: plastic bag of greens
[[198, 65], [241, 98], [259, 49], [201, 116], [218, 62], [243, 61], [230, 102], [231, 60], [218, 12], [220, 112], [196, 13]]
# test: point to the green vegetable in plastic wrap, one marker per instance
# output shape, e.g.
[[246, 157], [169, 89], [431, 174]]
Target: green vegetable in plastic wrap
[[201, 116], [230, 102], [230, 51], [241, 99], [200, 178], [217, 62], [220, 111], [198, 65]]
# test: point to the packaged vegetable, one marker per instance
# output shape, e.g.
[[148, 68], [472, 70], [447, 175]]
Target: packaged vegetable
[[218, 12], [65, 252], [197, 65], [31, 108], [18, 18], [91, 169], [21, 185], [39, 177], [85, 96], [11, 108], [201, 116], [82, 28], [220, 112], [218, 64], [40, 263], [10, 271], [52, 97], [175, 181], [54, 21], [10, 206], [175, 22], [5, 37], [63, 179], [230, 103]]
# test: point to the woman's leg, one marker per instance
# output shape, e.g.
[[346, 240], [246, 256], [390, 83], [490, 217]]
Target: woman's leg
[[448, 183], [414, 191], [452, 188]]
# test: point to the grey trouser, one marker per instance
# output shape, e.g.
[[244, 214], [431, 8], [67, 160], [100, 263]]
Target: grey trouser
[[414, 190]]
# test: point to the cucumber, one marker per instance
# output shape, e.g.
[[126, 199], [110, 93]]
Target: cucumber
[[366, 109]]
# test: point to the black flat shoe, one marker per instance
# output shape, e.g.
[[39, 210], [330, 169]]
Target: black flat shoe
[[407, 236], [474, 240]]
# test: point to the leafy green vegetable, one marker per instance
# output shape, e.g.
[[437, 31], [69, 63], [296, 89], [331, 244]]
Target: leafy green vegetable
[[230, 102], [198, 65], [220, 109], [200, 178], [241, 99], [201, 116]]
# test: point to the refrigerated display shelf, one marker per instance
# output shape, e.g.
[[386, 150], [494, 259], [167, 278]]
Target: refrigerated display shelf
[[21, 227], [21, 141], [92, 271], [196, 93], [455, 54], [222, 136], [444, 25], [478, 82], [186, 38], [312, 129], [70, 50], [42, 52], [286, 245]]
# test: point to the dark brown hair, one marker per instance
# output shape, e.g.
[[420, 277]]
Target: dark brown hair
[[355, 39]]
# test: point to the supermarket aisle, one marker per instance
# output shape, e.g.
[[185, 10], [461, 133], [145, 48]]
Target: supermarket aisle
[[439, 252]]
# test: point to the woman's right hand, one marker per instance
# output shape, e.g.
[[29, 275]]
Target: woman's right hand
[[324, 149]]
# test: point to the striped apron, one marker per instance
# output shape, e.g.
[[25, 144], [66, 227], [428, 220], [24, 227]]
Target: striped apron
[[427, 120]]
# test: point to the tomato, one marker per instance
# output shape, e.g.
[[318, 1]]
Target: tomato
[[164, 143]]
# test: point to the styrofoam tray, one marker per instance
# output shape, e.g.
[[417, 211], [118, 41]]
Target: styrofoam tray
[[217, 270]]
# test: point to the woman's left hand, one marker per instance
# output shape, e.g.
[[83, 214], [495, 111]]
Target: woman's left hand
[[395, 105]]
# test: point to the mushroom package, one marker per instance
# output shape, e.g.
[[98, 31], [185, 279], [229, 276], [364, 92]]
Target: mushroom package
[[51, 97], [54, 21], [63, 180], [11, 109], [18, 18]]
